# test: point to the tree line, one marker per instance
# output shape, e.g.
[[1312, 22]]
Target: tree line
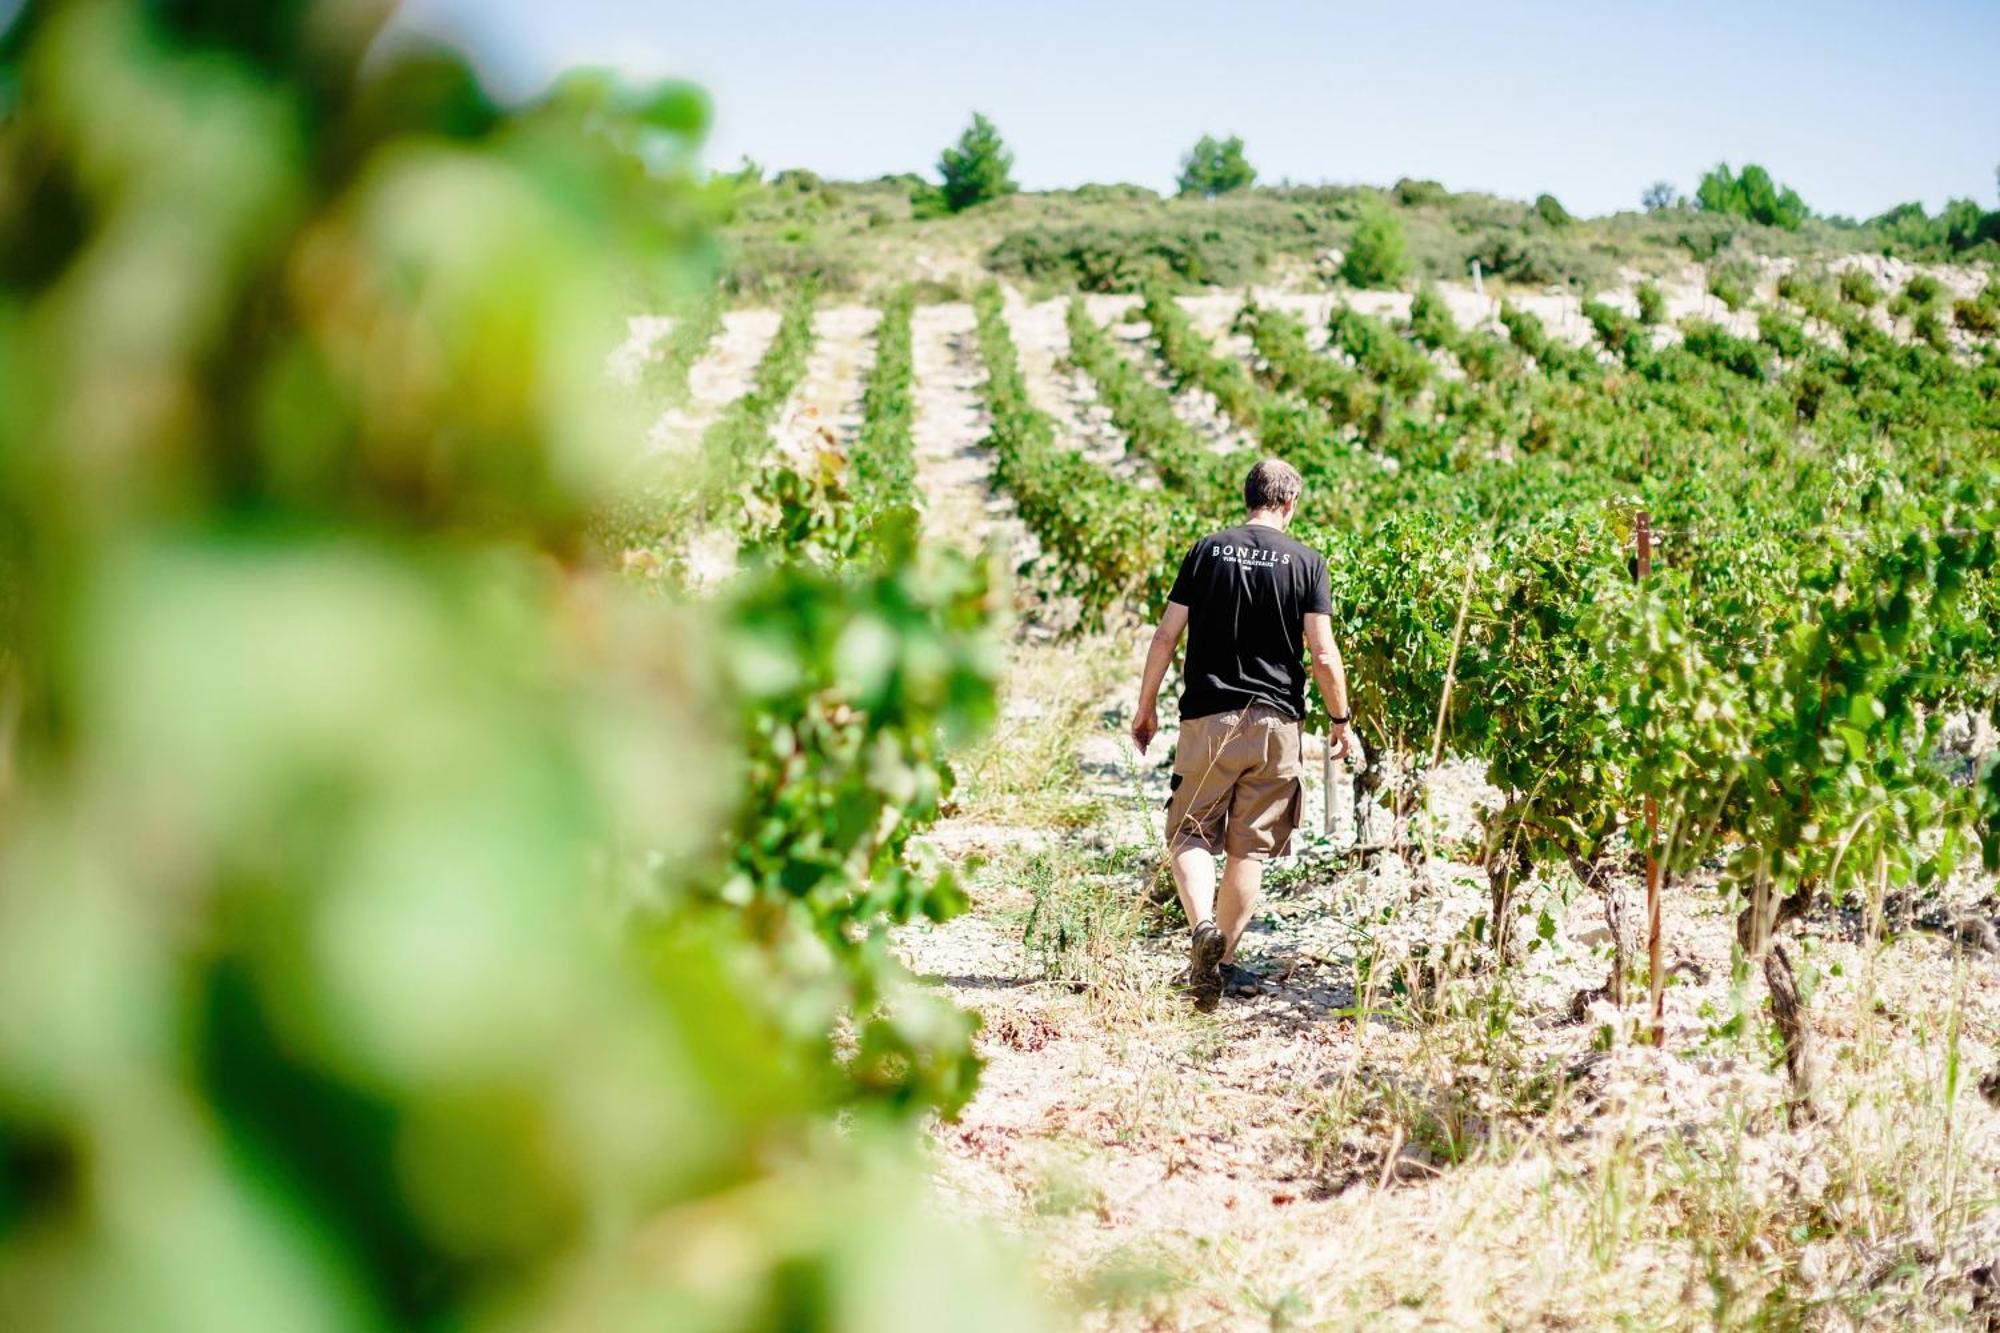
[[978, 168]]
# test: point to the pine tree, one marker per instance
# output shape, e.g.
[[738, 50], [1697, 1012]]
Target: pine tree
[[975, 168], [1215, 167]]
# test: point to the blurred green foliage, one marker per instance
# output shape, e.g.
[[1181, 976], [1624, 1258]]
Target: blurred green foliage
[[374, 950]]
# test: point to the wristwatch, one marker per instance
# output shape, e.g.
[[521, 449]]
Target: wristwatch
[[1339, 721]]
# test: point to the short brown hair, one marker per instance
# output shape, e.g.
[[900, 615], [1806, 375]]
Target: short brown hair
[[1272, 484]]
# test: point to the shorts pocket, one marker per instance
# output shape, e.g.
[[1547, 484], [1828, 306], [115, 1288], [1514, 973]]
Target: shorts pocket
[[1295, 813], [1283, 749]]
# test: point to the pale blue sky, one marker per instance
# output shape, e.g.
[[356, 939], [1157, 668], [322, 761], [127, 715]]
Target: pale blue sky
[[1859, 106]]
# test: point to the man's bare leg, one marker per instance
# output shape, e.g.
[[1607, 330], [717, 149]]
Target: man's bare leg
[[1242, 883], [1194, 881]]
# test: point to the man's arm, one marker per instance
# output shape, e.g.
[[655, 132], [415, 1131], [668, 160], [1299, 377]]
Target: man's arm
[[1330, 674], [1159, 656]]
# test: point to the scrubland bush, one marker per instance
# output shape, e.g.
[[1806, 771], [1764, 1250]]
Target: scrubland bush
[[1711, 342], [1782, 335], [1431, 322], [1981, 314], [1812, 290], [1378, 256], [768, 268], [1922, 289], [1858, 287], [1536, 260], [1959, 226], [1733, 284], [1413, 193], [1652, 303], [1927, 328], [1096, 258], [1118, 193], [1704, 235]]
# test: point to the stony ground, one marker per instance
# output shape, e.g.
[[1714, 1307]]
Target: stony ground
[[1389, 1131]]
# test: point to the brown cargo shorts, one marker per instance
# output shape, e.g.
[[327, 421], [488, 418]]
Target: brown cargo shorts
[[1237, 786]]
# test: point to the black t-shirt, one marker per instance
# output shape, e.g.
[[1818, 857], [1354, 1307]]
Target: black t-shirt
[[1248, 590]]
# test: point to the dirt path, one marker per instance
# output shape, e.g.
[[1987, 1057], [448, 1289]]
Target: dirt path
[[842, 352], [719, 378], [1133, 333], [1041, 335], [954, 468]]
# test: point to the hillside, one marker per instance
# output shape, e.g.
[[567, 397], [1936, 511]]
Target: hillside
[[862, 237]]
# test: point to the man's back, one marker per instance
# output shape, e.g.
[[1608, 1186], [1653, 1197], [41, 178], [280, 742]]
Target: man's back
[[1251, 601], [1248, 590]]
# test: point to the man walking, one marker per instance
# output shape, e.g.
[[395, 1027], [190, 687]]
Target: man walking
[[1251, 601]]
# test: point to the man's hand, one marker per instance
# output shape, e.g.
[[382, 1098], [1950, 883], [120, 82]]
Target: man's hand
[[1145, 725], [1341, 742], [1159, 656]]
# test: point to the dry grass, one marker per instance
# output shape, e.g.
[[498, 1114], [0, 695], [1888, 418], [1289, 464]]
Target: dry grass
[[1028, 772]]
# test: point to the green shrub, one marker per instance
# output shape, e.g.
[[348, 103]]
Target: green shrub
[[1534, 260], [1733, 284], [1215, 167], [797, 180], [1917, 295], [1660, 196], [1485, 358], [1430, 319], [1379, 254], [1705, 235], [1922, 289], [1980, 315], [1959, 226], [1652, 303], [1857, 287], [975, 169], [1095, 258], [1752, 195], [1117, 193], [1616, 330], [770, 268], [1781, 334], [1812, 290], [1375, 347], [1526, 331], [1550, 210], [1413, 193], [1929, 329], [1715, 344]]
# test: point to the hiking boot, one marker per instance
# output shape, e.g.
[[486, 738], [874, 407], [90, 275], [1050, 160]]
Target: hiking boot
[[1205, 966], [1241, 981]]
